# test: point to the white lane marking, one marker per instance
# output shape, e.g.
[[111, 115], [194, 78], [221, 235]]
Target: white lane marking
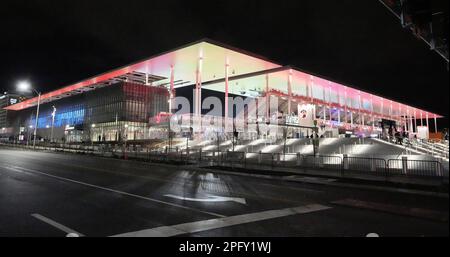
[[20, 169], [56, 224], [210, 198], [199, 226]]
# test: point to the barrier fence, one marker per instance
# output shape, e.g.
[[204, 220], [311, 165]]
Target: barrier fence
[[344, 165]]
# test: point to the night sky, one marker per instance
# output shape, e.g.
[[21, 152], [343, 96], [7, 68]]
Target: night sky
[[360, 43]]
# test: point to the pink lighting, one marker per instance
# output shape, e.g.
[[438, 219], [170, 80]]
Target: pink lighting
[[203, 61]]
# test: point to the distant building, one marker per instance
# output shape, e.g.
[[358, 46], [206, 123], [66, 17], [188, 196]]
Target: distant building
[[6, 126]]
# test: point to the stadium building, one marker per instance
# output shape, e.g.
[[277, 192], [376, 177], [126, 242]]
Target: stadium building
[[133, 103]]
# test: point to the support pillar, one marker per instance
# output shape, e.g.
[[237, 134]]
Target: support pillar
[[146, 79], [345, 105], [421, 118], [361, 117], [227, 73], [351, 118], [371, 112], [415, 121], [435, 124], [324, 108], [289, 92], [330, 106], [199, 86], [339, 116], [267, 99], [172, 88]]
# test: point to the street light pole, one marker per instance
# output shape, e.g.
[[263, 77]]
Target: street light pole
[[37, 118], [26, 86]]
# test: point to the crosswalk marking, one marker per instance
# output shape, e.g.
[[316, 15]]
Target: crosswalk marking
[[199, 226]]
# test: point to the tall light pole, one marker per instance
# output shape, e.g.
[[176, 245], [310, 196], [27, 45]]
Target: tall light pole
[[26, 86], [53, 123], [125, 141]]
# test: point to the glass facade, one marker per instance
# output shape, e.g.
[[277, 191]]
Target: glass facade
[[118, 112]]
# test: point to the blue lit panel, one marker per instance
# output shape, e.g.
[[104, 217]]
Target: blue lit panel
[[62, 118]]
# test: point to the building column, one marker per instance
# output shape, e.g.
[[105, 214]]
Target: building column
[[227, 73], [197, 121], [172, 88], [351, 118], [407, 120], [421, 118], [361, 122], [330, 106], [146, 79], [390, 111], [428, 122], [267, 98], [411, 122], [289, 92], [415, 121], [324, 108], [435, 124], [345, 104], [371, 114], [198, 87]]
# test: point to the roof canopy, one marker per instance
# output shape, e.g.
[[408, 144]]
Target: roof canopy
[[211, 57]]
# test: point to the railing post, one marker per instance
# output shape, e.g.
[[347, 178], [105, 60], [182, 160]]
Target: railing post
[[321, 164], [299, 159], [345, 162], [372, 165], [245, 160], [187, 155], [438, 169], [405, 165]]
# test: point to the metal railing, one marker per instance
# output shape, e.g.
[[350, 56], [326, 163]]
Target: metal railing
[[415, 168], [373, 166], [343, 165]]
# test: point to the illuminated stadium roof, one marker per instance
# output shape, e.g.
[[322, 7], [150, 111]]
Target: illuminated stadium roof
[[247, 75]]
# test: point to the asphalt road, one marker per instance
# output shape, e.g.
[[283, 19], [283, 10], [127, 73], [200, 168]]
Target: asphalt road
[[52, 194]]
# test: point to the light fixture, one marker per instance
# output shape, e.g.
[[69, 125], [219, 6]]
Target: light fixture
[[23, 86]]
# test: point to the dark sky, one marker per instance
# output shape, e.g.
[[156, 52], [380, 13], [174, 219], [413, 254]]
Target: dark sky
[[54, 43]]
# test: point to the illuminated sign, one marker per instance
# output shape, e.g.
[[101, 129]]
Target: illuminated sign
[[12, 101]]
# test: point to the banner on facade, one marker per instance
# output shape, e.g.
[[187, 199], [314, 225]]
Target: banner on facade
[[306, 115]]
